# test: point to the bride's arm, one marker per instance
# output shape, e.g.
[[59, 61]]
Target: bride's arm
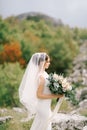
[[40, 93]]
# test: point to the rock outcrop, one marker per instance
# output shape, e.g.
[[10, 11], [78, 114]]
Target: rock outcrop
[[69, 122], [79, 73], [5, 119]]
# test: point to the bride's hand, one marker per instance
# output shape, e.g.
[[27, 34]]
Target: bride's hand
[[60, 95]]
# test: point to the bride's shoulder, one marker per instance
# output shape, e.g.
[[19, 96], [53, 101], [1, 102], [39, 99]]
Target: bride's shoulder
[[46, 74], [42, 75], [41, 78]]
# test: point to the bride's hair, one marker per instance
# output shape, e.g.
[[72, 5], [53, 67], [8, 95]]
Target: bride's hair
[[39, 57], [29, 84]]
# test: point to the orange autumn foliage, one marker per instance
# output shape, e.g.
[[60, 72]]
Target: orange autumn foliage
[[12, 53], [22, 62]]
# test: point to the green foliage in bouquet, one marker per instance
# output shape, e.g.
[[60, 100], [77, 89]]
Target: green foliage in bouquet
[[59, 85], [54, 86], [71, 96]]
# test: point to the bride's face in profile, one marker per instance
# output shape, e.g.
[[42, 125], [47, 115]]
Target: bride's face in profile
[[47, 63]]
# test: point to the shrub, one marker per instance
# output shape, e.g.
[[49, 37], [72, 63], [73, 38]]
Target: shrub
[[11, 52], [10, 76]]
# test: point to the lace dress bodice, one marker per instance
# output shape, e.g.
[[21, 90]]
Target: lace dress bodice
[[46, 88]]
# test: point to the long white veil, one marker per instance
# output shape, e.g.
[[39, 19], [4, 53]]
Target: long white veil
[[29, 83]]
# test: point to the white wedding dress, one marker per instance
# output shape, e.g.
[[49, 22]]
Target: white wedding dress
[[43, 110]]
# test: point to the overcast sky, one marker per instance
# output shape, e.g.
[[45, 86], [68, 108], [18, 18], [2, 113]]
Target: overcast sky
[[72, 12]]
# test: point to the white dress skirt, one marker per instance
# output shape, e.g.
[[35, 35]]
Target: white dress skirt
[[43, 110]]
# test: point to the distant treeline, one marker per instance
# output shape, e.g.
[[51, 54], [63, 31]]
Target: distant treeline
[[19, 39]]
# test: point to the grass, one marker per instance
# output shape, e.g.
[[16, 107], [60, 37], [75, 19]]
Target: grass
[[83, 112], [15, 123], [65, 106]]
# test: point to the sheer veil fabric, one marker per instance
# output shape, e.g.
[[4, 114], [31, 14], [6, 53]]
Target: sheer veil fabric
[[28, 97], [29, 83]]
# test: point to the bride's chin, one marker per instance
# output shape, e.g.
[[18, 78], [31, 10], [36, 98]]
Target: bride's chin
[[47, 67]]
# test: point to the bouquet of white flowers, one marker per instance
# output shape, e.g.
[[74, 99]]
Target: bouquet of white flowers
[[60, 85]]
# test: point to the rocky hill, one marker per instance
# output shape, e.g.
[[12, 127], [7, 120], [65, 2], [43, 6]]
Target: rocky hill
[[79, 72], [38, 16]]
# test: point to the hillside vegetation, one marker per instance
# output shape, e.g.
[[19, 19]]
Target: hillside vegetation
[[20, 38]]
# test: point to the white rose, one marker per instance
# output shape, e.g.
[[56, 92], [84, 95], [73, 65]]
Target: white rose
[[64, 81], [69, 87], [55, 76], [60, 78]]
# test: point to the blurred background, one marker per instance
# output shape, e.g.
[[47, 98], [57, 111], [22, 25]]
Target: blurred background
[[56, 27]]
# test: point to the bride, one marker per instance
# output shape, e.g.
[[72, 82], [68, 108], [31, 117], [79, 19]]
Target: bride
[[34, 93]]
